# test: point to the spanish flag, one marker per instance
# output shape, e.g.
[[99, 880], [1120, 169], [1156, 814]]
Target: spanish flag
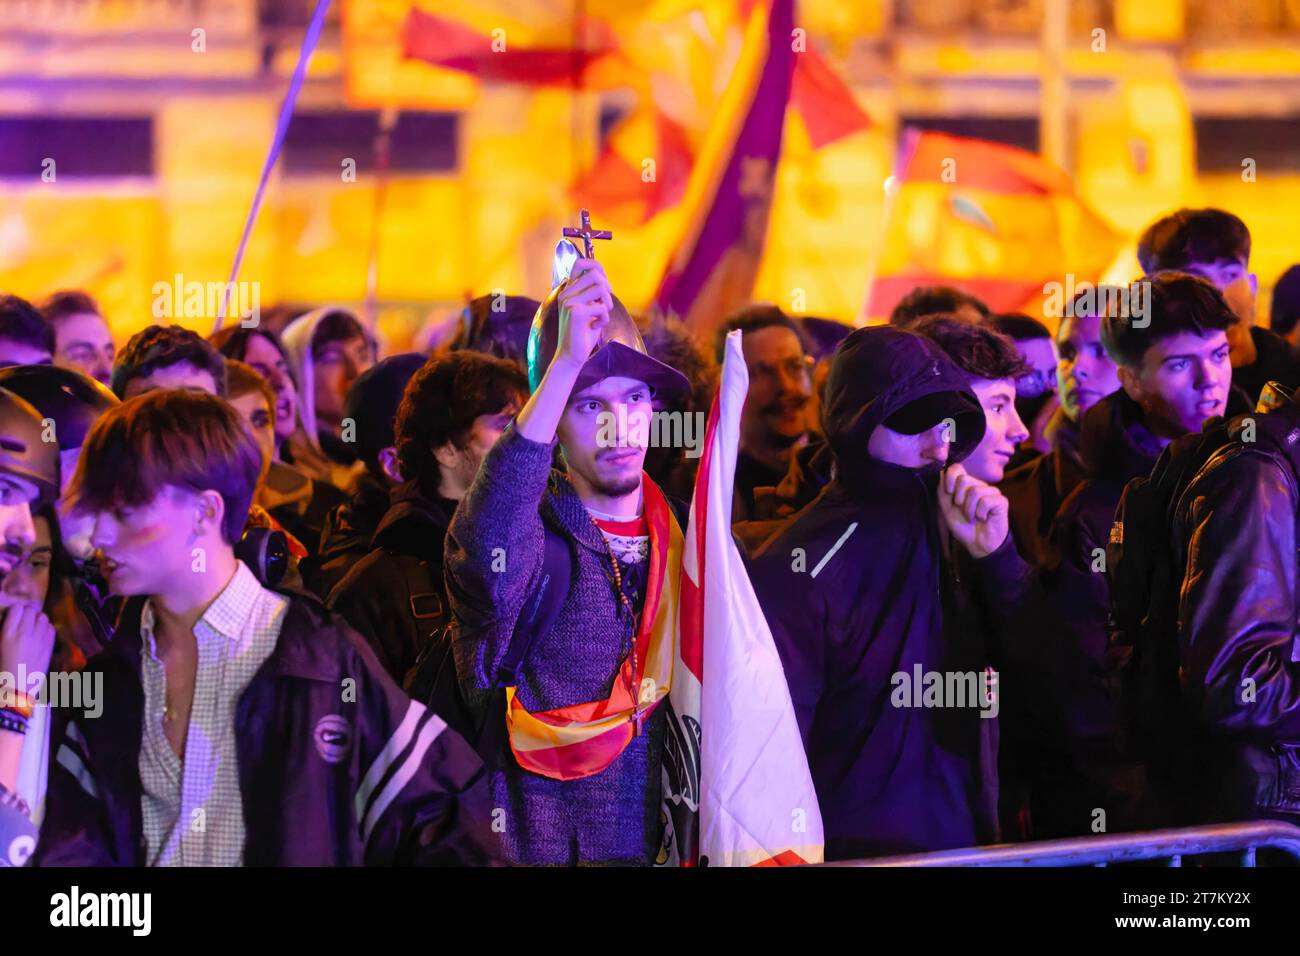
[[728, 199], [995, 221]]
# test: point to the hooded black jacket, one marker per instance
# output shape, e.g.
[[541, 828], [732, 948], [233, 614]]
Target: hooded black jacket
[[395, 596], [857, 590], [346, 535]]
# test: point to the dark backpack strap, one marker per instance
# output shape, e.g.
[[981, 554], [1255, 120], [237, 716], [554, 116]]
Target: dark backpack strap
[[539, 612], [424, 597]]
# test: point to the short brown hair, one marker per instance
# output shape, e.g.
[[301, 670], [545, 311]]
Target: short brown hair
[[68, 302], [1177, 303], [441, 402], [162, 346], [978, 351], [185, 439]]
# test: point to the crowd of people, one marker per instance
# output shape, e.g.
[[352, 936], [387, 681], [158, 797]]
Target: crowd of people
[[326, 607]]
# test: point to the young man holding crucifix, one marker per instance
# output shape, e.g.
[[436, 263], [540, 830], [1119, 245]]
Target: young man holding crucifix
[[575, 777]]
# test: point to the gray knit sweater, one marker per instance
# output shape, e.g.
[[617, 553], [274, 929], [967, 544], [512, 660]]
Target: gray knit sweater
[[613, 816]]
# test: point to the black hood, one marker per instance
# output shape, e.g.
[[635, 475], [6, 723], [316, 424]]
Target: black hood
[[878, 370]]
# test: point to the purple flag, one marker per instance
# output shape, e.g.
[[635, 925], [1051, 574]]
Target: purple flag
[[729, 198]]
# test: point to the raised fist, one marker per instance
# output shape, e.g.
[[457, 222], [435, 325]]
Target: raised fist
[[585, 305]]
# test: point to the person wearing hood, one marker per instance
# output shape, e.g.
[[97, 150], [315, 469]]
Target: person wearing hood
[[865, 605], [593, 796], [1175, 373], [496, 324], [452, 412], [329, 348], [1085, 374], [372, 404]]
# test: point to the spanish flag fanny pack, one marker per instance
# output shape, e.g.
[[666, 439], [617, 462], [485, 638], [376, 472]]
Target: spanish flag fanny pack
[[568, 743]]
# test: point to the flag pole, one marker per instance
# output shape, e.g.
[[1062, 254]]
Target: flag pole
[[309, 42], [383, 159], [902, 159], [1053, 83]]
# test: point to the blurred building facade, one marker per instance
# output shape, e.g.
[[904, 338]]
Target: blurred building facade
[[132, 134]]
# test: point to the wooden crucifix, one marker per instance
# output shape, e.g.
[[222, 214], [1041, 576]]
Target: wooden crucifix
[[586, 234]]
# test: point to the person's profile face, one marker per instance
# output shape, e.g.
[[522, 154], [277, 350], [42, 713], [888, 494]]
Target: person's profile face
[[143, 548], [1003, 429], [266, 360], [1085, 373]]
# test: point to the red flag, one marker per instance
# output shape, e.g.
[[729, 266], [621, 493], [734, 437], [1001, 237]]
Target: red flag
[[824, 101], [449, 43]]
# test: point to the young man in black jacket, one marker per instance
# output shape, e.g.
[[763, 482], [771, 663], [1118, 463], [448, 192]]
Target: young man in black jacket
[[865, 606], [239, 725], [1216, 648], [371, 406], [1172, 351], [453, 412]]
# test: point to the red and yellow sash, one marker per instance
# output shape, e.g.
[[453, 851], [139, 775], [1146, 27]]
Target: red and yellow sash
[[580, 740]]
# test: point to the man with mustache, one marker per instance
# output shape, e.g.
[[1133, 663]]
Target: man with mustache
[[589, 796], [1169, 342], [774, 426]]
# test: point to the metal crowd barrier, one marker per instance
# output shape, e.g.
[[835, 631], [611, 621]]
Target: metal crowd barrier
[[1241, 840]]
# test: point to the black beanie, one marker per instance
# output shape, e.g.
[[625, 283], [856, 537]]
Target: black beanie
[[373, 399]]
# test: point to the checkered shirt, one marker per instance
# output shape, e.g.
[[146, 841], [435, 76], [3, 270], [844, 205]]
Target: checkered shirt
[[193, 812]]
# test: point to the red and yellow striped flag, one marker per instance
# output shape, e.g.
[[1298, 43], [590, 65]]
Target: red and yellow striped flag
[[995, 221]]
